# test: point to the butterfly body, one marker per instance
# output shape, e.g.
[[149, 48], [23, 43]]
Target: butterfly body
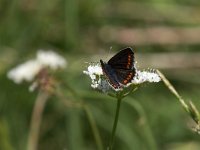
[[120, 69]]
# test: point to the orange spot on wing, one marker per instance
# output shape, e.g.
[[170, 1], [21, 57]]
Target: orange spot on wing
[[125, 81], [130, 75]]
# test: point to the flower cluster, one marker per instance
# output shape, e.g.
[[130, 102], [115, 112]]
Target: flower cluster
[[96, 74], [100, 82], [29, 70], [145, 76]]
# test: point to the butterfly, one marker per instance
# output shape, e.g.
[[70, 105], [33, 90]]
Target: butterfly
[[120, 69]]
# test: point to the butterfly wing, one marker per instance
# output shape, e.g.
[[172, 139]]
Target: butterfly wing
[[123, 60], [123, 65], [120, 69], [111, 75], [124, 76]]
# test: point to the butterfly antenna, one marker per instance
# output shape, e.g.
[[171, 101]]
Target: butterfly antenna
[[109, 52]]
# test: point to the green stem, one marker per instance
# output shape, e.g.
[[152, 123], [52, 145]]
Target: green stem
[[36, 120], [94, 128], [89, 115], [145, 126], [119, 99], [190, 108], [173, 90]]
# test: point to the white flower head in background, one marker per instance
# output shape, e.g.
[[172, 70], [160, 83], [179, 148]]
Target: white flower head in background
[[30, 69], [24, 72], [50, 59]]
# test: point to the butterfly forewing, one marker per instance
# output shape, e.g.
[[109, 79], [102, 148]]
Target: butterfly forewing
[[123, 60]]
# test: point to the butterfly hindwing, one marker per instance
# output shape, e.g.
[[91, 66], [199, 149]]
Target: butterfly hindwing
[[111, 76], [124, 76]]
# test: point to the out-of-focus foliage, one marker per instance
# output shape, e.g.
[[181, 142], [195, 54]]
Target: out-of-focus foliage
[[84, 31]]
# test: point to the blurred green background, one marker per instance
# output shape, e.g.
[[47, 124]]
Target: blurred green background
[[165, 34]]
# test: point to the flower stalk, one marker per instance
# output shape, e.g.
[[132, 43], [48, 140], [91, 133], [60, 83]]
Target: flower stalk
[[119, 99], [189, 108], [86, 108], [150, 139], [36, 119], [94, 128]]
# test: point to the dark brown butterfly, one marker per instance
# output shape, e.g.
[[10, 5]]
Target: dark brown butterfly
[[120, 69]]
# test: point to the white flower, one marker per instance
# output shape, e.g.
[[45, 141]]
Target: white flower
[[99, 79], [51, 59], [93, 70], [96, 74], [145, 76], [28, 70]]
